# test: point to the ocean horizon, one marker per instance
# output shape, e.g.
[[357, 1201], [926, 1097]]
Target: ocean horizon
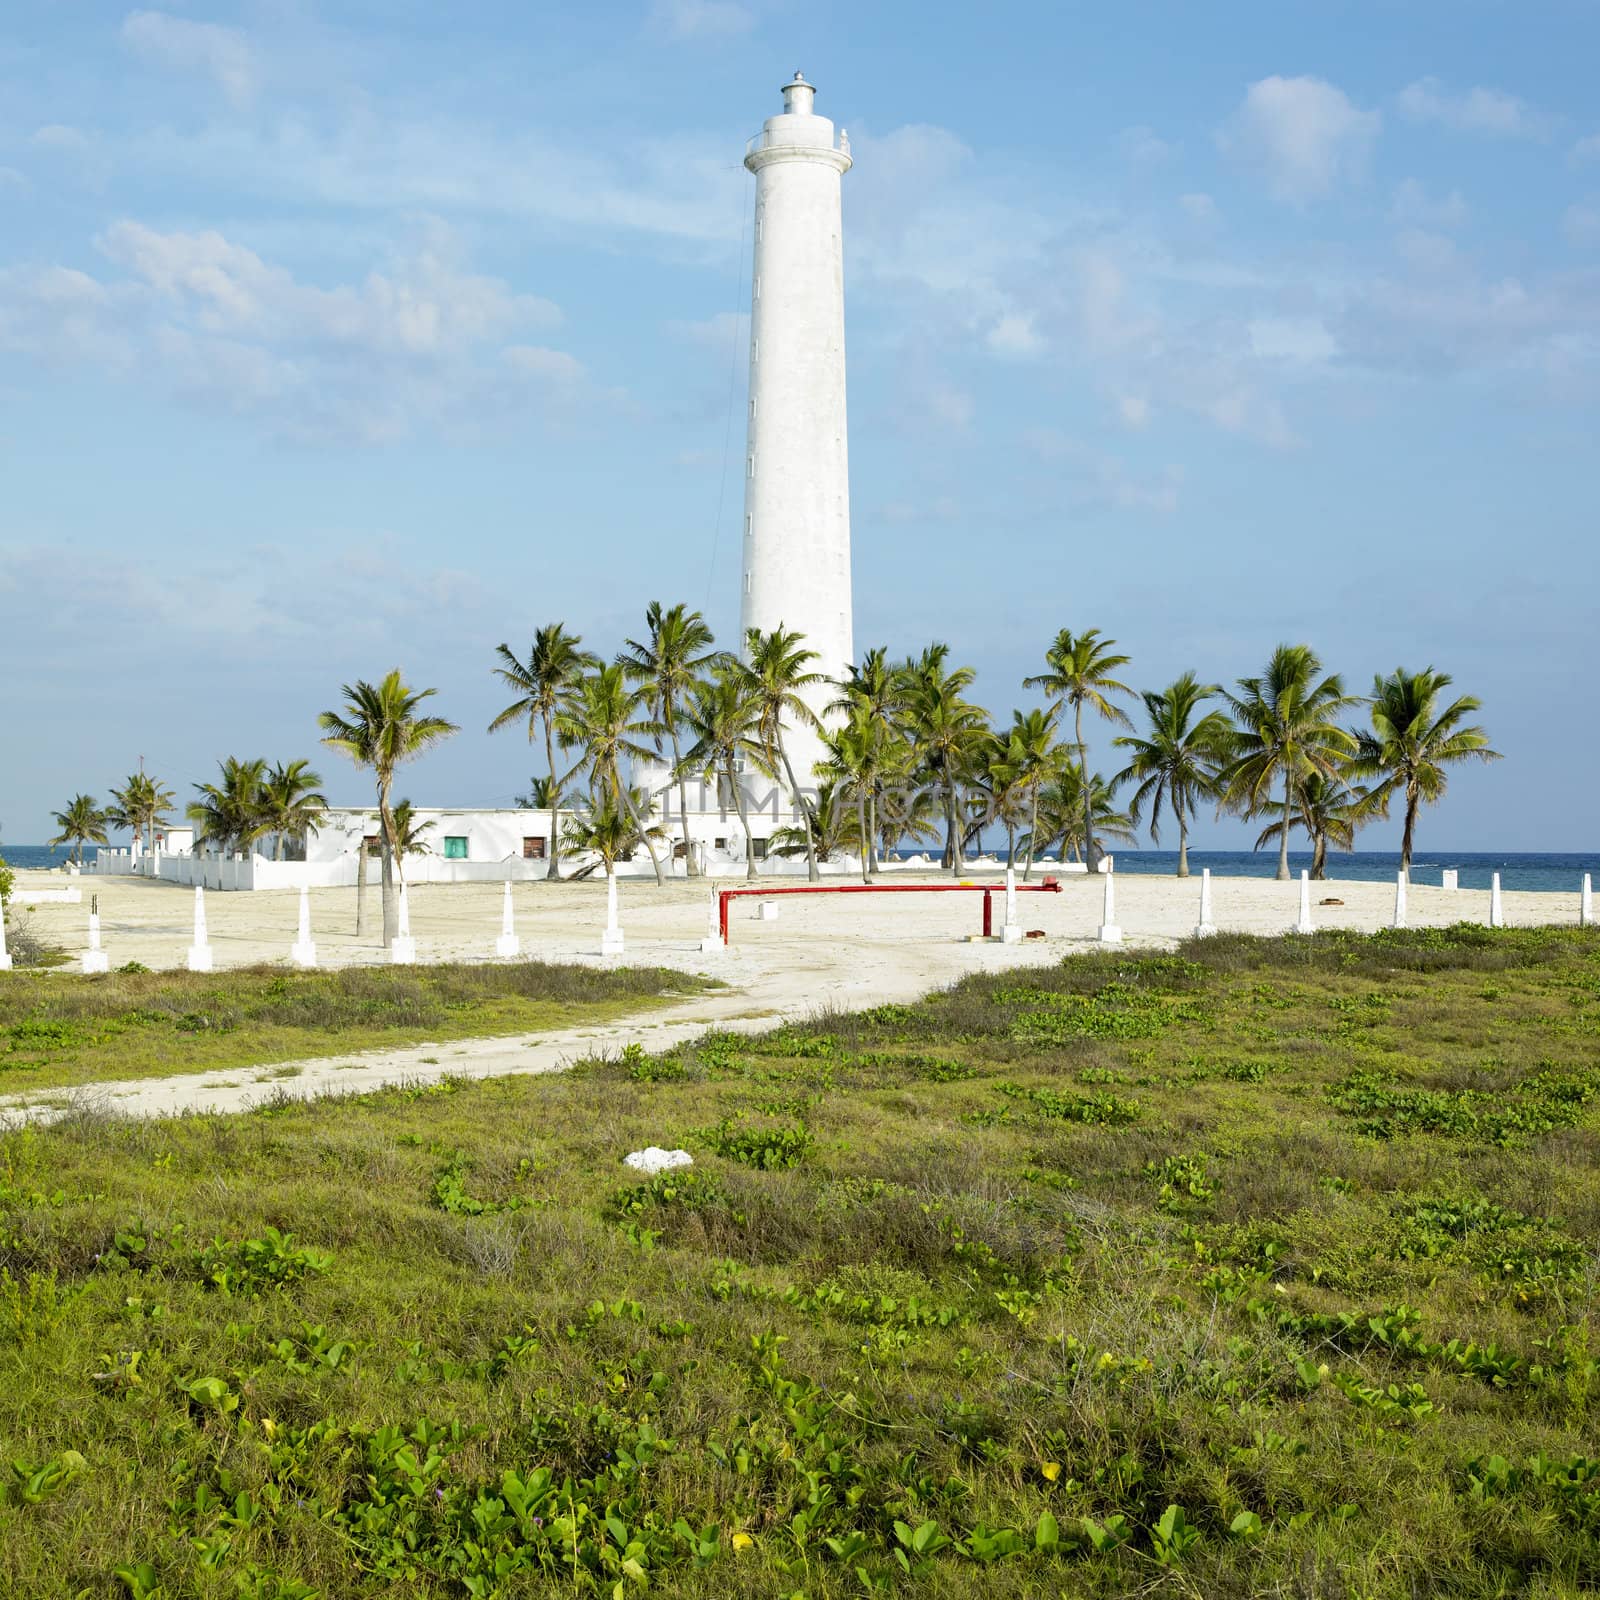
[[1526, 870]]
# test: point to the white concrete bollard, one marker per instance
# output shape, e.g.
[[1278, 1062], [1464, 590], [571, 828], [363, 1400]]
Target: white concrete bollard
[[1011, 929], [94, 958], [611, 938], [508, 945], [5, 955], [403, 951], [1585, 907], [1497, 911], [1400, 900], [1110, 933], [768, 911], [1205, 927], [1450, 878], [303, 952], [713, 939], [1303, 923], [199, 957]]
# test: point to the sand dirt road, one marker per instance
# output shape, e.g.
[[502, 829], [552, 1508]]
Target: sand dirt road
[[823, 953]]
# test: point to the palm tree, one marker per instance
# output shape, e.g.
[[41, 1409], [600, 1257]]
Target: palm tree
[[1287, 732], [872, 697], [1413, 740], [601, 717], [1177, 762], [668, 663], [1080, 667], [851, 768], [1330, 812], [408, 831], [777, 668], [1004, 778], [611, 831], [1063, 808], [1031, 749], [228, 815], [543, 683], [945, 728], [141, 805], [835, 826], [544, 794], [722, 724], [83, 822], [380, 726], [292, 803]]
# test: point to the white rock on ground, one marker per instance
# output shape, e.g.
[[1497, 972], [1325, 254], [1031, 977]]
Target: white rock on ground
[[655, 1159]]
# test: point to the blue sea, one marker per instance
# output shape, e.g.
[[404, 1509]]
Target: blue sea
[[1558, 873], [41, 855]]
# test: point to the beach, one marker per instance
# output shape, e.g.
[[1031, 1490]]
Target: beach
[[874, 947]]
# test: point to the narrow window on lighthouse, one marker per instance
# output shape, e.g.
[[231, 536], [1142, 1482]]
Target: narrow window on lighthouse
[[758, 287], [749, 526], [755, 349], [747, 583], [752, 466]]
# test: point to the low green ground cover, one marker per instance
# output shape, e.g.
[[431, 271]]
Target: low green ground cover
[[59, 1030], [1265, 1268]]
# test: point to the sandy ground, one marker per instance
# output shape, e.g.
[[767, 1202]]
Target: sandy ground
[[822, 952]]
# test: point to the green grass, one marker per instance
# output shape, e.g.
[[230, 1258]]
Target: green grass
[[1266, 1268], [61, 1030]]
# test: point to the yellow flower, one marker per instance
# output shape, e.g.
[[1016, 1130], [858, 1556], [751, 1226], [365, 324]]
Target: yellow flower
[[742, 1541], [269, 1427], [1051, 1470]]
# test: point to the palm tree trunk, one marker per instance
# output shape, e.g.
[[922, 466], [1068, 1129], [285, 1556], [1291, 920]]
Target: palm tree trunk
[[1183, 846], [552, 873], [804, 808], [391, 862], [361, 881], [1011, 846], [1319, 857], [1283, 838], [1033, 833], [1410, 831], [866, 838], [690, 867], [1083, 776], [872, 828], [626, 796], [744, 821]]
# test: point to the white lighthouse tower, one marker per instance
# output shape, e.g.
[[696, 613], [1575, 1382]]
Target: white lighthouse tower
[[797, 479]]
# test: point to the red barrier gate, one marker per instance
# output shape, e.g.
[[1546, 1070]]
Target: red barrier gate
[[987, 890]]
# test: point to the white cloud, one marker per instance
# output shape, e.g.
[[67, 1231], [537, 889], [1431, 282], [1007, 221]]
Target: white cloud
[[1581, 222], [693, 19], [222, 54], [723, 331], [422, 344], [1144, 147], [1096, 479], [1470, 110], [425, 306], [57, 136], [536, 361], [1014, 335], [1587, 149], [1297, 341], [1303, 134], [10, 178], [1134, 410], [1414, 206], [948, 406]]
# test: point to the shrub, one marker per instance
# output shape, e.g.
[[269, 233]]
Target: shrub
[[8, 880], [769, 1148]]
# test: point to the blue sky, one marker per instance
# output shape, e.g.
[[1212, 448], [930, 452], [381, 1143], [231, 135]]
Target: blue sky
[[341, 336]]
